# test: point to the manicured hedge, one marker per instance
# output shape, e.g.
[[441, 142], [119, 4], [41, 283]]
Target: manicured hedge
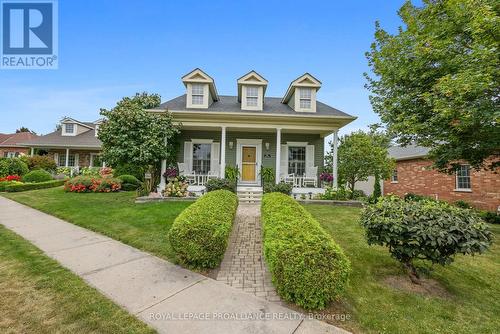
[[129, 182], [33, 186], [307, 266], [199, 234]]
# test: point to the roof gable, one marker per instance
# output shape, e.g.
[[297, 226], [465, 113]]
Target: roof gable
[[198, 76], [305, 80]]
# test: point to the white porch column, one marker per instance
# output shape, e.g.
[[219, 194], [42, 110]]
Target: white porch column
[[32, 152], [66, 164], [223, 153], [162, 171], [278, 154], [335, 158]]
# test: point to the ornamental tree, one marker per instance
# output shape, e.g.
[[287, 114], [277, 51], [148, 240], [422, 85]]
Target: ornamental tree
[[427, 230], [132, 135], [436, 81], [362, 154]]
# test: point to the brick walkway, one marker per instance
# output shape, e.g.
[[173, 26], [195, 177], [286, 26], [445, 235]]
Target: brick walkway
[[243, 266]]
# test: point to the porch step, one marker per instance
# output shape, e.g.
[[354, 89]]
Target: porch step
[[249, 194]]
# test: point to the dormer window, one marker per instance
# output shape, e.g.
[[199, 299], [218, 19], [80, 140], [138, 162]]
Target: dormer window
[[252, 96], [69, 129], [305, 98], [301, 94], [197, 95], [200, 89]]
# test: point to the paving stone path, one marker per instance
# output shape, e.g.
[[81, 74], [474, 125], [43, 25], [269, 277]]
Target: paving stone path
[[243, 266]]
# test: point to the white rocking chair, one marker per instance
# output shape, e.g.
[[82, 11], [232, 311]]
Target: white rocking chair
[[311, 177], [190, 177]]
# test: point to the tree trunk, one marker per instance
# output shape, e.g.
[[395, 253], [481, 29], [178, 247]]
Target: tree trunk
[[351, 185], [412, 272]]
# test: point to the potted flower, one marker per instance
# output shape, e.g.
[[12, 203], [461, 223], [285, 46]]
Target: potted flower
[[170, 174], [326, 178]]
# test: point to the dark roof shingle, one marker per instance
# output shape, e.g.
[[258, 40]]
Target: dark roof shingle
[[272, 105]]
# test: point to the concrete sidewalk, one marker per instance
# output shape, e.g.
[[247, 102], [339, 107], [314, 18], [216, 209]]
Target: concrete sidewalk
[[165, 296]]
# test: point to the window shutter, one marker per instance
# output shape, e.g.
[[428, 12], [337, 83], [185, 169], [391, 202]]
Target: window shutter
[[214, 157], [56, 158], [310, 156], [188, 156], [284, 160]]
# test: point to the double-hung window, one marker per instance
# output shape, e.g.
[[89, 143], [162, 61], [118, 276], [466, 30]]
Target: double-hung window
[[463, 177], [252, 96], [394, 176], [62, 160], [296, 160], [197, 94], [201, 158], [69, 128], [305, 98]]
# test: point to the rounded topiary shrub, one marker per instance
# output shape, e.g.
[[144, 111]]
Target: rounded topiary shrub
[[424, 229], [129, 182], [38, 175], [307, 266], [41, 162], [199, 234]]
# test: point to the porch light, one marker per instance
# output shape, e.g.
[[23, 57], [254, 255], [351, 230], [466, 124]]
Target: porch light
[[267, 146], [231, 145]]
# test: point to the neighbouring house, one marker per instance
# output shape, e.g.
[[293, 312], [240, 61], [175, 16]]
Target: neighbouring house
[[74, 144], [413, 174], [250, 130], [10, 144]]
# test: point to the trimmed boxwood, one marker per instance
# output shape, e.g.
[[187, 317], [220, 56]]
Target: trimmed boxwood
[[308, 268], [17, 187], [38, 175], [199, 234]]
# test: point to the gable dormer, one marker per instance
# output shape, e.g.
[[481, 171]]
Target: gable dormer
[[71, 127], [251, 89], [200, 89], [301, 94]]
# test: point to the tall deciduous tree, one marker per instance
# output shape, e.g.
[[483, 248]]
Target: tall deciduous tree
[[363, 154], [436, 82], [131, 135]]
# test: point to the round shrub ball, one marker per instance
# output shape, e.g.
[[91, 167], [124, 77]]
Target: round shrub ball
[[38, 175], [12, 166]]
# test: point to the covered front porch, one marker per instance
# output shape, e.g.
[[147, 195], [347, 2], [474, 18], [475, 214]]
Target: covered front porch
[[293, 154]]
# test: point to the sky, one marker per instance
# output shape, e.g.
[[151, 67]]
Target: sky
[[111, 49]]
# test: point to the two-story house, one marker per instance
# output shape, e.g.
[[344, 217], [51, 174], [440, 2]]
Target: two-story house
[[251, 130]]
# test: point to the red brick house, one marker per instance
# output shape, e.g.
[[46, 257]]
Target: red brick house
[[413, 174], [10, 144]]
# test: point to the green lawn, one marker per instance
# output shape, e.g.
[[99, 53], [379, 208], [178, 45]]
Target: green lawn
[[39, 296], [143, 226], [473, 304]]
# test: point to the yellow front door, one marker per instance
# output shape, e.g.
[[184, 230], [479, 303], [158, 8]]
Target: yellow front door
[[248, 161]]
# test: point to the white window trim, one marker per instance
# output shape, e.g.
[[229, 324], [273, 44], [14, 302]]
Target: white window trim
[[257, 143], [465, 190], [64, 133], [200, 141], [202, 94], [297, 100], [397, 176], [259, 96]]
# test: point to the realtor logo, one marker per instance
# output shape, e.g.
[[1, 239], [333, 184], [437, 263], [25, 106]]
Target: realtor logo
[[28, 34]]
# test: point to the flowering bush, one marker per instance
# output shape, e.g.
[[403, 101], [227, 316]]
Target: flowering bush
[[10, 178], [176, 188], [66, 171], [83, 184], [106, 172], [106, 185], [326, 177]]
